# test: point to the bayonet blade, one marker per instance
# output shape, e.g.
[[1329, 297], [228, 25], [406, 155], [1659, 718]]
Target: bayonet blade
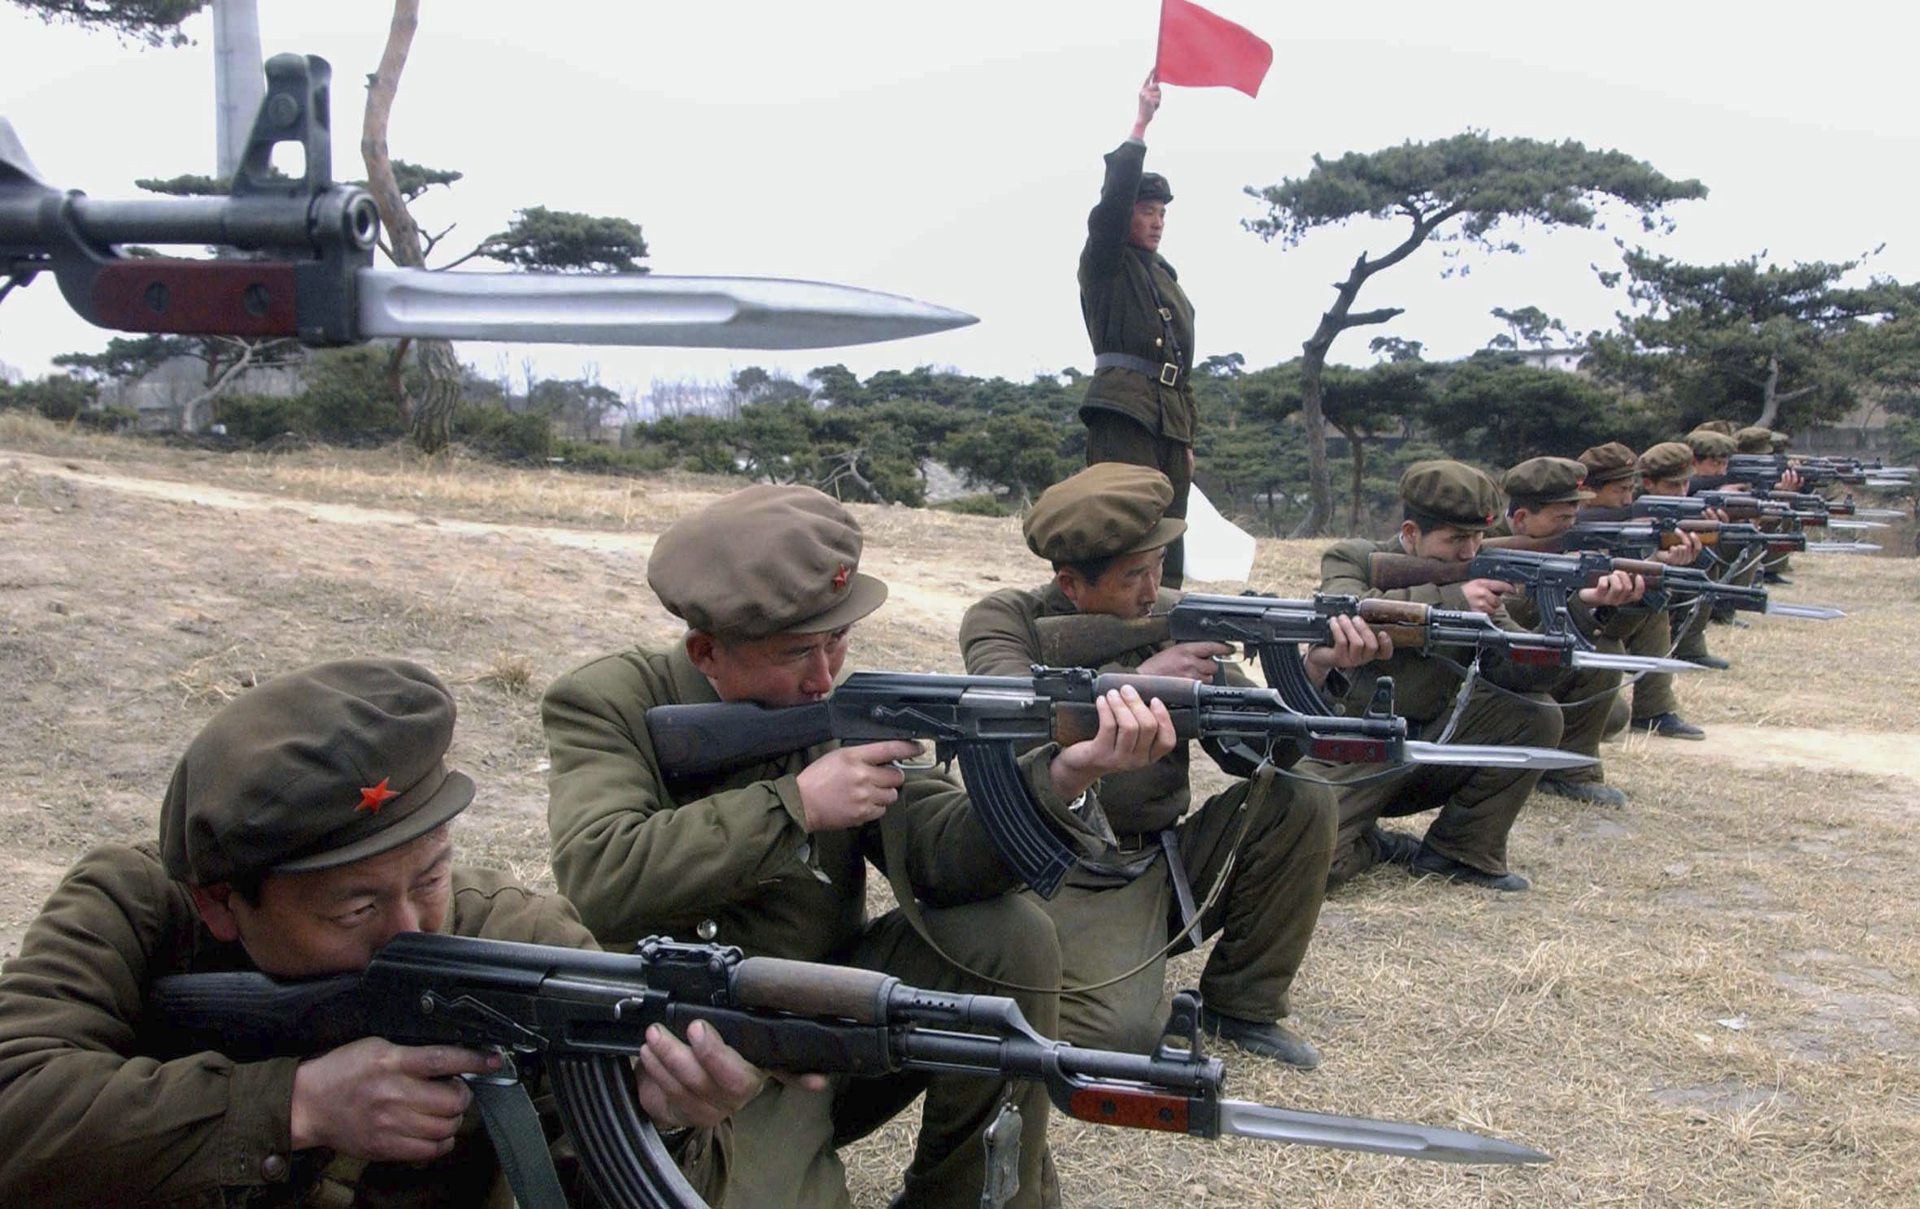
[[1488, 755], [1611, 662], [1841, 523], [1436, 1145], [1842, 547], [638, 309], [1880, 514], [1808, 612]]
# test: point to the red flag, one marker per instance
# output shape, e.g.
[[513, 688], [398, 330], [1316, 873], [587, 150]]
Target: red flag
[[1202, 50]]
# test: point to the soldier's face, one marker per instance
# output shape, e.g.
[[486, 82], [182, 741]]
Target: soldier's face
[[785, 669], [332, 921], [1446, 542], [1704, 467], [1617, 494], [1665, 486], [1127, 588], [1548, 520], [1149, 223]]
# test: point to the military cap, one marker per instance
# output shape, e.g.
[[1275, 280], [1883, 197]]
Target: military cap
[[1153, 188], [1753, 439], [1450, 493], [1608, 463], [1108, 509], [1723, 427], [1707, 443], [1667, 460], [311, 770], [1781, 442], [766, 560], [1539, 481]]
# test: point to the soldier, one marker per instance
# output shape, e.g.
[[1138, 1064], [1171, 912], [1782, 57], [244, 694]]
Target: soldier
[[306, 825], [772, 857], [1612, 474], [1711, 451], [1139, 406], [1757, 440], [1104, 531], [1543, 498], [1448, 509]]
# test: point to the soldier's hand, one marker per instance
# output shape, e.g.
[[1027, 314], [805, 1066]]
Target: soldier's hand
[[383, 1102], [1188, 660], [1483, 595], [850, 786], [1616, 588], [1149, 103], [1790, 481], [1353, 644], [1683, 554], [1133, 734], [696, 1083]]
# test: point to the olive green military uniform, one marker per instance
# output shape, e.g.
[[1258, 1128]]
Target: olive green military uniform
[[1110, 922], [727, 858], [94, 1110], [1585, 695], [1131, 300], [89, 1119], [1666, 460], [1477, 806], [1708, 442], [1758, 440], [1636, 629]]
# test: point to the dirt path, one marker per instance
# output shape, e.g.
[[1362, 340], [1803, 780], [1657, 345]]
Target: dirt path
[[1870, 753]]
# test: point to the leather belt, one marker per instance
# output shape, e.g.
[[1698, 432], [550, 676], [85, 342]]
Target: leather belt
[[1165, 372]]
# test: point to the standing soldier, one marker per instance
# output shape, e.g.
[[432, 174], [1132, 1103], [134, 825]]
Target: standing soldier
[[1104, 531], [1139, 406]]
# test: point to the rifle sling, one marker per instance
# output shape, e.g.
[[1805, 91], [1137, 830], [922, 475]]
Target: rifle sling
[[1182, 889], [519, 1143]]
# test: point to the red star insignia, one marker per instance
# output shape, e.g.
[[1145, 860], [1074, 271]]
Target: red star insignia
[[373, 797], [840, 577]]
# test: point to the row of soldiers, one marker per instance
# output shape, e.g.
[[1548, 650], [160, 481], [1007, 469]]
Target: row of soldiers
[[311, 821]]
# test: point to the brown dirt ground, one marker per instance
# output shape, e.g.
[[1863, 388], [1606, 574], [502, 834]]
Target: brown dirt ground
[[1708, 999]]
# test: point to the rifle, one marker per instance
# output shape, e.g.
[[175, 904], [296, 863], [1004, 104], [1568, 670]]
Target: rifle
[[310, 274], [1273, 630], [982, 721], [580, 1016], [1551, 573], [1779, 512], [1657, 525], [1766, 470]]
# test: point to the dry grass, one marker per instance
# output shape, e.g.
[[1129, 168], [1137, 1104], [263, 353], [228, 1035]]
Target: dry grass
[[1708, 999]]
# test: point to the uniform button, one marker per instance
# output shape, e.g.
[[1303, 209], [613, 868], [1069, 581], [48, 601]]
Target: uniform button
[[273, 1167], [1157, 342], [707, 930]]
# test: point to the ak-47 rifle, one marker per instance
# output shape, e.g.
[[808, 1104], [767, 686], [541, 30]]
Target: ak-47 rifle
[[1766, 470], [1759, 524], [983, 721], [1762, 505], [579, 1017], [1551, 573], [1651, 531], [1273, 630], [309, 274]]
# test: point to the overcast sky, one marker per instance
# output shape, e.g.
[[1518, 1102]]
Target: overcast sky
[[950, 151]]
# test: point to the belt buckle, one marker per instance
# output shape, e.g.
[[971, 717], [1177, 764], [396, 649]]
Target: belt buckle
[[1169, 374]]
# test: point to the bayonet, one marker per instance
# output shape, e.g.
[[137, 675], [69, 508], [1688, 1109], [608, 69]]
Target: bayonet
[[307, 268]]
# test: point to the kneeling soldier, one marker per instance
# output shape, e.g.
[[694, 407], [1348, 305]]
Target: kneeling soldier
[[308, 824], [772, 856], [1105, 531], [1449, 507]]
